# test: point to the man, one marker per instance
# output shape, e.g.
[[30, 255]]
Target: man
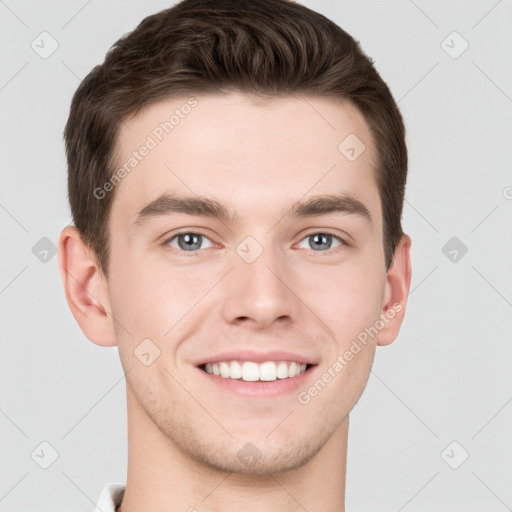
[[236, 177]]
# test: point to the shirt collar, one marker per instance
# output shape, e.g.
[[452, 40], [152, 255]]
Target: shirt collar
[[110, 498]]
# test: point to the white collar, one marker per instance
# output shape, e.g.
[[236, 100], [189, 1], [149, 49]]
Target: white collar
[[110, 498]]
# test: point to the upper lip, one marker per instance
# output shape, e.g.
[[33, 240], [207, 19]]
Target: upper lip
[[257, 357]]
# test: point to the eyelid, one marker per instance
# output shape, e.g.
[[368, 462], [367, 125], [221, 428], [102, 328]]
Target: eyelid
[[181, 231], [326, 232]]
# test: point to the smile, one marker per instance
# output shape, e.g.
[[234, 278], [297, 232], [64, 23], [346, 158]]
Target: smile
[[250, 371]]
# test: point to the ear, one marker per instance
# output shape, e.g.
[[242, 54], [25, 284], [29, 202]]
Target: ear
[[398, 282], [86, 288]]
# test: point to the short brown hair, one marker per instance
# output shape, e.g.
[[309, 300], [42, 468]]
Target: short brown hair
[[270, 48]]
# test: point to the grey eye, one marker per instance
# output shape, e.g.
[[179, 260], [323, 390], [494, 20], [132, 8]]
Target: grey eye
[[188, 241], [321, 241]]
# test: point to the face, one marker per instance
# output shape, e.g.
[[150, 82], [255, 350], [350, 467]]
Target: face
[[279, 277]]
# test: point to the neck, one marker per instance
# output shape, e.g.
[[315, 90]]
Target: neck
[[163, 478]]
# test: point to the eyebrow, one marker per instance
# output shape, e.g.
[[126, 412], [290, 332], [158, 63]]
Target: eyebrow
[[202, 206]]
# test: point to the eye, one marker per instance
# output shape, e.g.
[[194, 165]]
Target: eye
[[188, 241], [322, 241]]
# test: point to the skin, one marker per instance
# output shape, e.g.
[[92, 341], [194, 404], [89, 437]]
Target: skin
[[256, 158]]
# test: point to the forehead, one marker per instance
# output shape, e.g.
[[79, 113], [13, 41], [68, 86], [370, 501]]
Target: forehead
[[247, 152]]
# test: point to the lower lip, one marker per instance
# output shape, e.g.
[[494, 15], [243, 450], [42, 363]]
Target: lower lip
[[263, 389]]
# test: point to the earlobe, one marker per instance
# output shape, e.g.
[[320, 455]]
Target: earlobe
[[86, 288], [398, 282]]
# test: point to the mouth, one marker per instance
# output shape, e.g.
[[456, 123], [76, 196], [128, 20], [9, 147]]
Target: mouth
[[251, 371], [253, 374]]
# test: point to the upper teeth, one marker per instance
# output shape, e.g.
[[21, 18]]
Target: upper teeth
[[250, 371]]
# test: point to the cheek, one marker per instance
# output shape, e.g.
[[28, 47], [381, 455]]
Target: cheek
[[346, 297], [349, 304], [153, 298]]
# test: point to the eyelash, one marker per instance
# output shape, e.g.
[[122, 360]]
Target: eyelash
[[328, 252]]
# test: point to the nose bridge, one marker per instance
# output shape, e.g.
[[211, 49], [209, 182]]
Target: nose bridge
[[258, 288]]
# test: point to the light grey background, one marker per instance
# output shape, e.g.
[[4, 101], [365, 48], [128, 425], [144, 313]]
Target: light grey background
[[446, 378]]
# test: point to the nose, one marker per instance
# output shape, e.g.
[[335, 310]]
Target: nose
[[261, 293]]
